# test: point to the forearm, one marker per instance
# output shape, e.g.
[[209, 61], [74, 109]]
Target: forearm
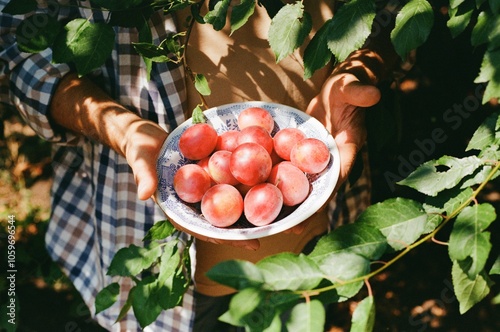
[[83, 108]]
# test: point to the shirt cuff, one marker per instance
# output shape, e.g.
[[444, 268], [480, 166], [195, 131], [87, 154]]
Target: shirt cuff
[[32, 85]]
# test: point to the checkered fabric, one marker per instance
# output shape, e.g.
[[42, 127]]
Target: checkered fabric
[[95, 210]]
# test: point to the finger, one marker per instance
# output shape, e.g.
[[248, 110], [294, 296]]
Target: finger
[[145, 177], [359, 94]]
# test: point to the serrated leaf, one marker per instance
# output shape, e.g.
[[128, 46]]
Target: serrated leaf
[[19, 7], [37, 32], [430, 180], [288, 30], [172, 290], [412, 27], [106, 297], [482, 29], [289, 271], [469, 239], [169, 261], [241, 13], [307, 317], [146, 301], [460, 18], [160, 231], [131, 260], [85, 44], [340, 268], [485, 134], [317, 54], [361, 239], [217, 16], [351, 27], [401, 220], [201, 85], [490, 74], [469, 292], [445, 202], [237, 274], [363, 317]]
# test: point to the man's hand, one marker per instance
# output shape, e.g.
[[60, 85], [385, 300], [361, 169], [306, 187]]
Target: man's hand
[[339, 106]]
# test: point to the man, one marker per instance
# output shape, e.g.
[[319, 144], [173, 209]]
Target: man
[[107, 129]]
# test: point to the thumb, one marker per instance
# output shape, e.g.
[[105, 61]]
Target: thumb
[[360, 94], [145, 177]]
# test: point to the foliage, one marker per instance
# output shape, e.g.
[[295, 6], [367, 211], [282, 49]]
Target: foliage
[[88, 44], [293, 289], [269, 297]]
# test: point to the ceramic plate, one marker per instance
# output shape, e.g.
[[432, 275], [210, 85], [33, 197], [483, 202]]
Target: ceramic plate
[[224, 118]]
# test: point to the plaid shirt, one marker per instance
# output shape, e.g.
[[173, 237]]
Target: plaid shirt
[[95, 209]]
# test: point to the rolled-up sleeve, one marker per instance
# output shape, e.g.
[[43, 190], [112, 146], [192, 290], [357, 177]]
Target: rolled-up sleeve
[[29, 82]]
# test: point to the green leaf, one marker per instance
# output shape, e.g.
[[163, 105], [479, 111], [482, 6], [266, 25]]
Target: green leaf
[[131, 260], [495, 269], [19, 7], [430, 180], [160, 231], [489, 73], [288, 30], [495, 6], [169, 261], [146, 301], [198, 116], [317, 54], [351, 27], [241, 13], [358, 238], [363, 317], [339, 268], [217, 16], [172, 276], [460, 18], [486, 134], [455, 3], [237, 274], [201, 85], [106, 297], [469, 239], [152, 52], [482, 29], [289, 271], [447, 201], [258, 310], [468, 291], [243, 304], [37, 32], [307, 317], [126, 307], [413, 25], [86, 44], [401, 220]]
